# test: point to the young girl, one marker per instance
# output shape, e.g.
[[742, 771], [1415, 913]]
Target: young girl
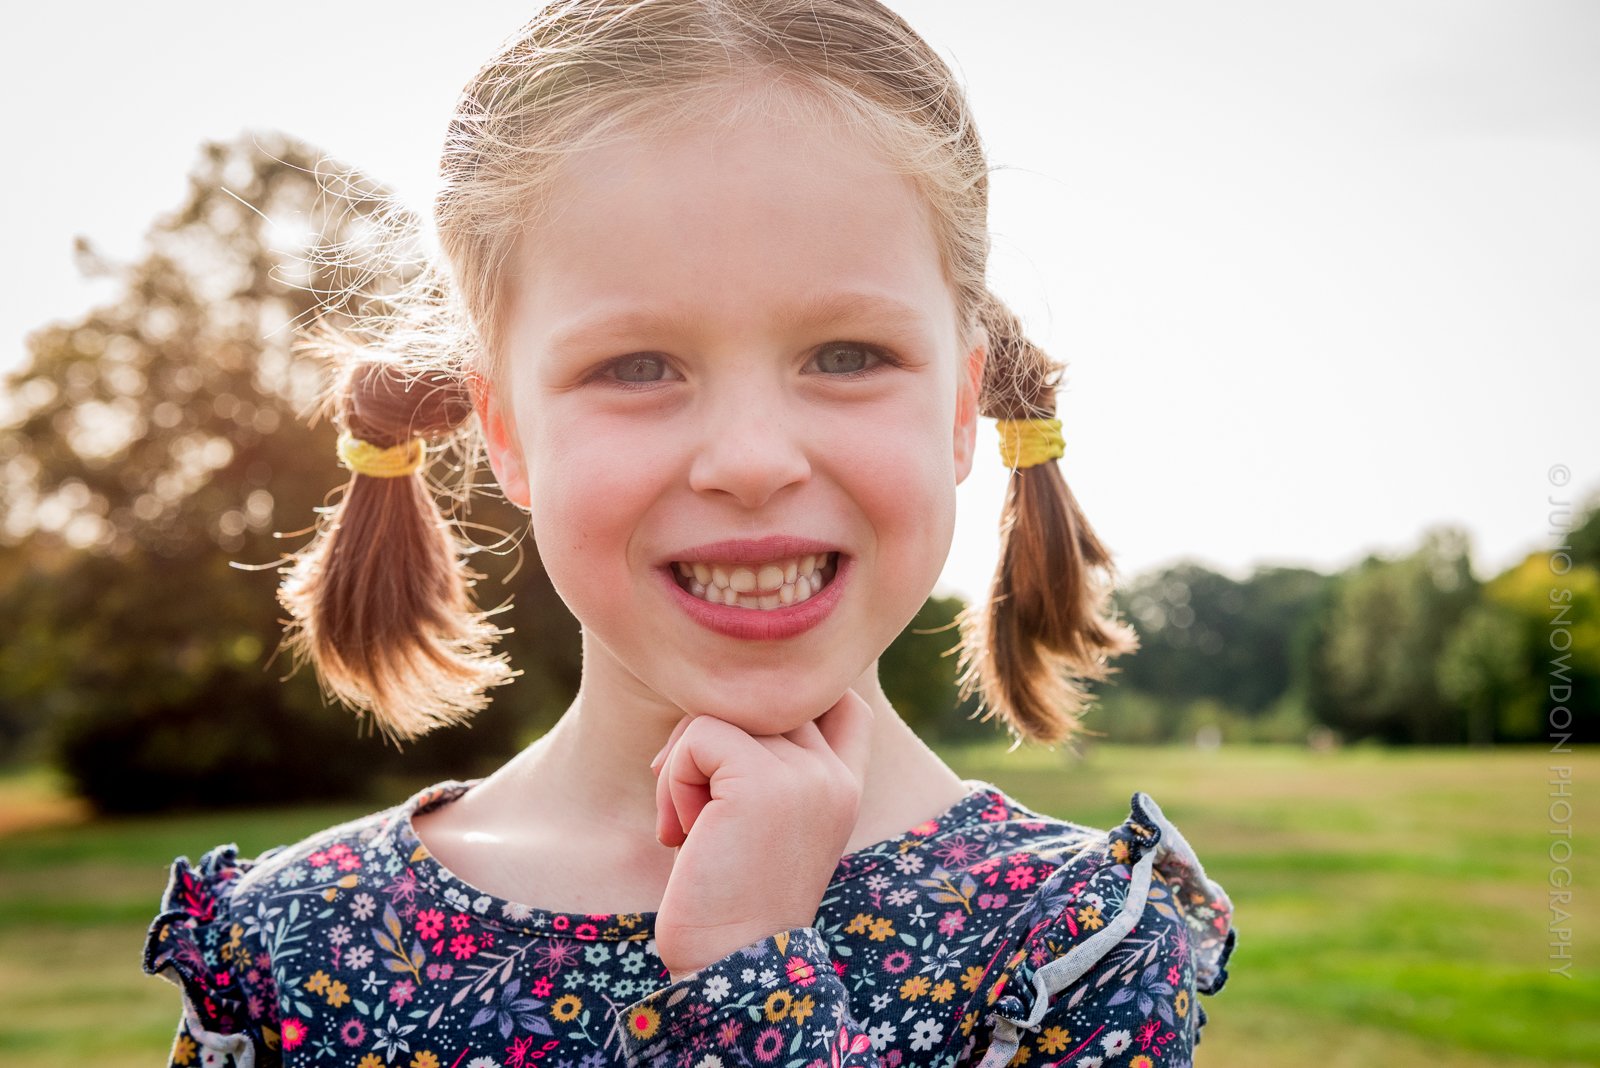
[[716, 309]]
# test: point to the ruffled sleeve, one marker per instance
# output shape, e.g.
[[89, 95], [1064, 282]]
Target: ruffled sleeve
[[777, 999], [212, 951], [1119, 943]]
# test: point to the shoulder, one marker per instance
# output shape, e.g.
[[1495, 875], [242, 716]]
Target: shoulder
[[228, 927], [1121, 935]]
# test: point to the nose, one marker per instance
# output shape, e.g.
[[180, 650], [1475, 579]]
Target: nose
[[751, 444]]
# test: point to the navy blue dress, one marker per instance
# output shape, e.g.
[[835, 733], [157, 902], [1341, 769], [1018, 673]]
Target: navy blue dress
[[990, 935]]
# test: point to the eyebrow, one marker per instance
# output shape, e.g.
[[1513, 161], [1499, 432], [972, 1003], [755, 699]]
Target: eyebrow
[[825, 307]]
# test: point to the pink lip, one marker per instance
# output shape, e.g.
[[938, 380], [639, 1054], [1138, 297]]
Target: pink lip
[[755, 624], [752, 550]]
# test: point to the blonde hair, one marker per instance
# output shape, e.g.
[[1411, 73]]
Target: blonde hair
[[380, 598]]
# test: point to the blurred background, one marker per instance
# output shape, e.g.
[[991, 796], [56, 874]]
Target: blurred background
[[1325, 279]]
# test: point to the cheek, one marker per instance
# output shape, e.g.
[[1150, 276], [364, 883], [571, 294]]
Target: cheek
[[589, 490]]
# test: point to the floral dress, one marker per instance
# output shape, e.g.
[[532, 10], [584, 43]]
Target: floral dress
[[989, 935]]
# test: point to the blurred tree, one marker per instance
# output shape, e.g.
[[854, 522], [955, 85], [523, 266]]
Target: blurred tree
[[158, 439], [1533, 630], [1377, 644], [920, 679], [1205, 635]]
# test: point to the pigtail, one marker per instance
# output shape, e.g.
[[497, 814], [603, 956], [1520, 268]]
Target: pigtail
[[1043, 628], [380, 599]]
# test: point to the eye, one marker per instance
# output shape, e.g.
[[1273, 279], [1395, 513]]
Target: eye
[[851, 359], [625, 368]]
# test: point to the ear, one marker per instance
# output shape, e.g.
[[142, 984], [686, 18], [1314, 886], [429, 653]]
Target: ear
[[501, 442], [968, 388]]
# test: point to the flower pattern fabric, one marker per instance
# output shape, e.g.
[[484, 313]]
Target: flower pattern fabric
[[990, 935]]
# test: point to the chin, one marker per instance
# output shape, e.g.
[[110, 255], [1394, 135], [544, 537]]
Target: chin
[[766, 706]]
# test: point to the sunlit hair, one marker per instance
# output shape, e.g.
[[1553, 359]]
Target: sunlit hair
[[379, 600]]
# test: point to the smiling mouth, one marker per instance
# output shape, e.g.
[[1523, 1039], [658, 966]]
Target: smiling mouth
[[763, 587]]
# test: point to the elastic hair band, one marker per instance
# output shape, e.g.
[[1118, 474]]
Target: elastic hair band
[[1026, 442], [375, 461]]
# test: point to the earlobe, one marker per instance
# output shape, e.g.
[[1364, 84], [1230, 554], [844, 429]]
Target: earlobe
[[501, 443]]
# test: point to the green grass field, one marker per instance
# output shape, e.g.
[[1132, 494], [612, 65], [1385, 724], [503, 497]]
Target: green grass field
[[1392, 905]]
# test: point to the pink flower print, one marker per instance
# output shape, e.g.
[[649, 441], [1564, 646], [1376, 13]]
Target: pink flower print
[[992, 901], [769, 1043], [846, 1044], [952, 923], [728, 1033], [517, 1052], [319, 859], [1174, 974], [349, 862], [401, 991], [404, 886], [540, 987], [463, 946], [460, 921], [430, 923], [1019, 878], [440, 971], [800, 971]]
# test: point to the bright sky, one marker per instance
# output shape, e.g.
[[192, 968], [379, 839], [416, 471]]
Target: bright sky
[[1322, 272]]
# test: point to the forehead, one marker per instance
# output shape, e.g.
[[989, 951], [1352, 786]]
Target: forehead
[[748, 220]]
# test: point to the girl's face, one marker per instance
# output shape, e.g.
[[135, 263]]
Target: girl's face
[[733, 334]]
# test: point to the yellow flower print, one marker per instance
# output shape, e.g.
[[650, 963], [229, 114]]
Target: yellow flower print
[[643, 1022], [231, 946], [802, 1009], [1089, 916], [882, 929], [859, 925], [372, 1060], [425, 1059], [943, 991], [1119, 851], [1054, 1040], [183, 1050], [1023, 1055], [566, 1007], [1141, 1061], [777, 1006], [967, 1021], [971, 978], [319, 981], [914, 987], [337, 994], [1180, 1004]]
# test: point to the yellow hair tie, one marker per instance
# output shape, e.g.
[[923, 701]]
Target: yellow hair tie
[[1026, 442], [365, 458]]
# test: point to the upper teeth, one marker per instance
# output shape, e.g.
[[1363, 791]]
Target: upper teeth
[[763, 586]]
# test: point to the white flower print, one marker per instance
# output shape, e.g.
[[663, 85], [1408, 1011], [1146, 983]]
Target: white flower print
[[1114, 1042], [926, 1034], [1088, 1062], [362, 906], [483, 1062], [909, 863], [881, 1034], [716, 988]]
